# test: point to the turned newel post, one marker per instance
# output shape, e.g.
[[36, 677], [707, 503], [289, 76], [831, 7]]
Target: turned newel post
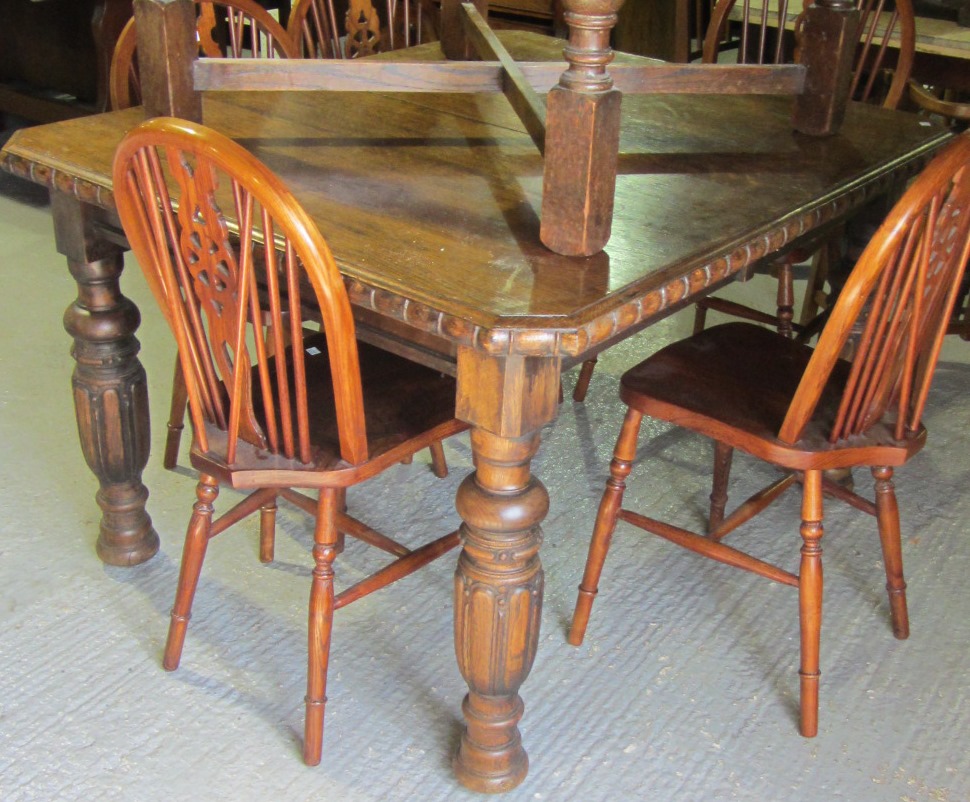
[[582, 136], [827, 42], [167, 50]]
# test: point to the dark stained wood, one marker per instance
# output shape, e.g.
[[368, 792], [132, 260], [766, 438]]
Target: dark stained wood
[[807, 410], [583, 128], [454, 39], [250, 32], [54, 49], [582, 140], [829, 33], [323, 413], [430, 203], [658, 28], [109, 384], [525, 101], [166, 68], [486, 76]]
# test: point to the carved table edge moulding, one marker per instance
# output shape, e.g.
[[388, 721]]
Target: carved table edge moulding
[[505, 340]]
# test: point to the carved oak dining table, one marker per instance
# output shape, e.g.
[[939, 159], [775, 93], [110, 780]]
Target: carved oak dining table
[[430, 204]]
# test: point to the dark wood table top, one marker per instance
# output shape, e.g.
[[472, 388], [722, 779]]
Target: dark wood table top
[[430, 202]]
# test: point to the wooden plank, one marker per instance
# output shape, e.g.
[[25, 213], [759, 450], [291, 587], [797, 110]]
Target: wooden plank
[[365, 75], [525, 101]]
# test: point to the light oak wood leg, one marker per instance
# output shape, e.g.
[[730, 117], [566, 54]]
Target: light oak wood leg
[[499, 580], [887, 516], [599, 545], [810, 600], [109, 383], [193, 554]]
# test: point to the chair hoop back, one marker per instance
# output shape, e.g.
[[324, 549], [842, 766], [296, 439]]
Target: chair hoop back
[[228, 253], [879, 28], [240, 29], [899, 296]]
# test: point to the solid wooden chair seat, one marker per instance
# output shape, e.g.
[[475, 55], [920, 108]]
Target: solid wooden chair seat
[[403, 403], [735, 382]]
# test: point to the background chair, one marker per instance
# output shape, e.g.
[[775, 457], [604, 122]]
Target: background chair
[[805, 411], [226, 29], [326, 414], [763, 39], [315, 29]]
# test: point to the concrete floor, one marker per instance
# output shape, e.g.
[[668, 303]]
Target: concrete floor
[[686, 687]]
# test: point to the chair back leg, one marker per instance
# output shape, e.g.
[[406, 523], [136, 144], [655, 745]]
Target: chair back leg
[[723, 454], [176, 418], [887, 515]]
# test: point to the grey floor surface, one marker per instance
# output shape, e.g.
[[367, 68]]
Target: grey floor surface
[[686, 687]]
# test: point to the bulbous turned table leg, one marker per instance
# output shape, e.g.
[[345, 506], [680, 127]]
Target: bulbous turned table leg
[[109, 385], [498, 601]]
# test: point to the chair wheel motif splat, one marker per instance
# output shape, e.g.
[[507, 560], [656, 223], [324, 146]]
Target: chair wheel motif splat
[[808, 410], [324, 413]]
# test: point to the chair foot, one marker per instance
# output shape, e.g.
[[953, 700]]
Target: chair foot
[[809, 703], [176, 638], [313, 734], [584, 606], [898, 611]]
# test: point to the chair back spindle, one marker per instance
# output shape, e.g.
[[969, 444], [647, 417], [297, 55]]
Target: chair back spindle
[[230, 263]]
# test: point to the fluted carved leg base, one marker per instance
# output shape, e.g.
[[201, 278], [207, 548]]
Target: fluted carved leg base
[[109, 384], [498, 601]]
